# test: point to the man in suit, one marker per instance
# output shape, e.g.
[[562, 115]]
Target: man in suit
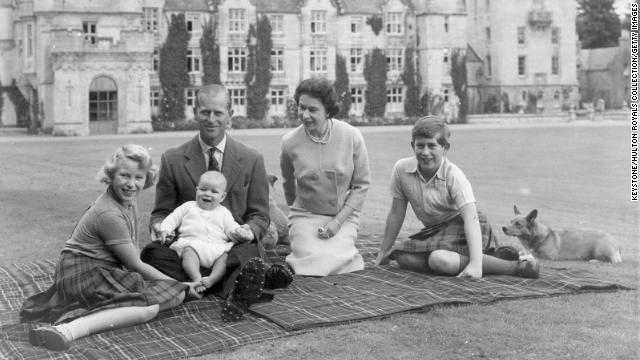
[[247, 199]]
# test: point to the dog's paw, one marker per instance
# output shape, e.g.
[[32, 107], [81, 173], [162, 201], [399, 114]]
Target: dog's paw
[[526, 257]]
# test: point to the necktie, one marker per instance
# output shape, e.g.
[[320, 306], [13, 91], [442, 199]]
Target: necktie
[[213, 163]]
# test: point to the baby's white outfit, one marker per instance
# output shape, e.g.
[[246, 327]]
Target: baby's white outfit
[[205, 231]]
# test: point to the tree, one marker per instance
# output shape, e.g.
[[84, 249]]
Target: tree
[[410, 79], [173, 73], [210, 54], [459, 79], [375, 73], [341, 86], [597, 24], [258, 77], [1, 101]]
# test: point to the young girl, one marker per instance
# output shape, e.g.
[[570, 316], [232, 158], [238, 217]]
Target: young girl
[[206, 229], [442, 198], [100, 283]]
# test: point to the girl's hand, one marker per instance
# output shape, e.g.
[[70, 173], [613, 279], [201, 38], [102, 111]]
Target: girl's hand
[[193, 294], [471, 271]]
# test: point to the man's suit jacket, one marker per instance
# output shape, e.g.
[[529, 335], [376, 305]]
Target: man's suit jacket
[[247, 184]]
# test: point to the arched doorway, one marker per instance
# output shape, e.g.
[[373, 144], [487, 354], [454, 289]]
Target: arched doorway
[[103, 106]]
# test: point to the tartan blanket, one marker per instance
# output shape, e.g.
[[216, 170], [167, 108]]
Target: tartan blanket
[[195, 328]]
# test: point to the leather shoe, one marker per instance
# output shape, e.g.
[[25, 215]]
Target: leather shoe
[[49, 337], [277, 277]]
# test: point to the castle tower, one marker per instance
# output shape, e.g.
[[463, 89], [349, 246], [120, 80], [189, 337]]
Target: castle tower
[[7, 60]]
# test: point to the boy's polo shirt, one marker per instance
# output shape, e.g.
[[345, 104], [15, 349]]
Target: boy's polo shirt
[[434, 201]]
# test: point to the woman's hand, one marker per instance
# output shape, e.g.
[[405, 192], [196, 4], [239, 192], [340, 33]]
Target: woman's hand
[[329, 229], [471, 271]]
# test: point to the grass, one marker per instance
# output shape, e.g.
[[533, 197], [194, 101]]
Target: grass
[[576, 175]]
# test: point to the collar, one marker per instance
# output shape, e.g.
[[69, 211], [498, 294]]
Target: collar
[[412, 168], [220, 147]]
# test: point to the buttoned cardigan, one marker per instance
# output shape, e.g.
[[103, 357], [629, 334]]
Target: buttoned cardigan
[[322, 178]]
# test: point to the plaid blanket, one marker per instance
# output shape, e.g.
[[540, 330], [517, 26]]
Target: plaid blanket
[[196, 328]]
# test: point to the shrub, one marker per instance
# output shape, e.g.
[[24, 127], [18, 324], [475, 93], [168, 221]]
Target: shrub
[[375, 73], [173, 73], [239, 122], [376, 24]]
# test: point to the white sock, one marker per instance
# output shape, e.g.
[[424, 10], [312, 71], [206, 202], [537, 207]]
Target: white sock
[[73, 331]]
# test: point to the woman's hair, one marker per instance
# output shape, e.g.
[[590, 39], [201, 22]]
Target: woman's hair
[[434, 127], [321, 89], [133, 152]]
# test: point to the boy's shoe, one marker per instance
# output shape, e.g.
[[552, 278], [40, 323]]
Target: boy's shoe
[[528, 269], [49, 337], [278, 277], [507, 253]]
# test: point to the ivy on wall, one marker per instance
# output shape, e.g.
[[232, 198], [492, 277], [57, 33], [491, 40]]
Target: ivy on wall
[[20, 103], [258, 77], [341, 86], [173, 73], [376, 24], [210, 54], [375, 74]]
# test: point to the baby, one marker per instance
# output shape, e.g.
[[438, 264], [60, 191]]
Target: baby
[[204, 227]]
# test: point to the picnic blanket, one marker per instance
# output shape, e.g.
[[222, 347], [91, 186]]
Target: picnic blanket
[[195, 328]]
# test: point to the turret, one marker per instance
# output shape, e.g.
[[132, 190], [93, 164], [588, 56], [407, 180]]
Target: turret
[[7, 41]]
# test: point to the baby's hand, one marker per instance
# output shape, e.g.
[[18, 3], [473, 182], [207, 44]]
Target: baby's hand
[[166, 236]]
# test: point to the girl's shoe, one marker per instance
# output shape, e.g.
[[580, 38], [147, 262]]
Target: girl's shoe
[[49, 337]]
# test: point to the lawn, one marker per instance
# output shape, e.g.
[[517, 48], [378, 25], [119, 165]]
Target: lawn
[[576, 175]]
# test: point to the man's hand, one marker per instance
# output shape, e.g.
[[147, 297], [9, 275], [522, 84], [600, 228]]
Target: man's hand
[[242, 234], [156, 233]]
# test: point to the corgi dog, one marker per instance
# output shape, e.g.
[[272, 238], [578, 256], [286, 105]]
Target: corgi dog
[[546, 243]]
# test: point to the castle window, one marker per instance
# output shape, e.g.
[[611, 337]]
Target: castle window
[[236, 20], [89, 31], [318, 22]]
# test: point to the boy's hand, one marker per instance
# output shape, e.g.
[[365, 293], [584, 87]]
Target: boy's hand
[[471, 271], [382, 258]]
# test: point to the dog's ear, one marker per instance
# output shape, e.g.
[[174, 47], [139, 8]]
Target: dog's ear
[[515, 210], [272, 179], [532, 216]]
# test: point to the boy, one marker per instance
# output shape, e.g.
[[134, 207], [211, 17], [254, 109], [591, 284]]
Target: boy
[[442, 198], [205, 227]]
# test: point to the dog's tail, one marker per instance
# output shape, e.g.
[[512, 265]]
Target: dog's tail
[[617, 256]]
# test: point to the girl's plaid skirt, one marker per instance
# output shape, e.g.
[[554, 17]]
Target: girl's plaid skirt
[[447, 236], [83, 285]]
